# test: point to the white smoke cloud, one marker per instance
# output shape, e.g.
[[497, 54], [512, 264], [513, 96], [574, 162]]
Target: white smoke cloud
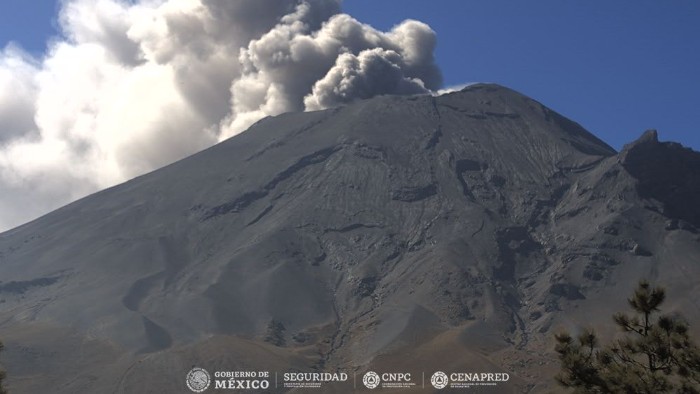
[[134, 85]]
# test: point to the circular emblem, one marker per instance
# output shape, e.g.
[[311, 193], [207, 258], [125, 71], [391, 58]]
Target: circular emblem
[[371, 380], [198, 380], [439, 380]]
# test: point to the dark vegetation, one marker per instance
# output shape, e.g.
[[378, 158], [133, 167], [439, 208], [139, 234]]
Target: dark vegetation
[[655, 355]]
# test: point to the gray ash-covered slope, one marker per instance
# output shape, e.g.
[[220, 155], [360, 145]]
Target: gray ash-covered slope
[[417, 233]]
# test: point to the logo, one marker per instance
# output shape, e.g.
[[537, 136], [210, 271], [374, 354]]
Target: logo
[[241, 380], [371, 380], [198, 380], [465, 380], [439, 380], [312, 380]]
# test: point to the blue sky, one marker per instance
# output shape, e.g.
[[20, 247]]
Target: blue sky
[[616, 67], [28, 23]]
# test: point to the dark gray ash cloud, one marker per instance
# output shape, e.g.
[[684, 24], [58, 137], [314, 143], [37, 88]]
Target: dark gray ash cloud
[[134, 85]]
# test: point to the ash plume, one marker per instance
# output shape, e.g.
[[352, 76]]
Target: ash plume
[[130, 86]]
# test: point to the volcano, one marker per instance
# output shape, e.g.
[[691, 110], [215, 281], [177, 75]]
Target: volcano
[[399, 233]]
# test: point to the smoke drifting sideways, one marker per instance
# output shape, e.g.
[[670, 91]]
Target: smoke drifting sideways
[[131, 86]]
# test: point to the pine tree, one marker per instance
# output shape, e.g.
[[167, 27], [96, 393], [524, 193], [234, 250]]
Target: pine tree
[[656, 354]]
